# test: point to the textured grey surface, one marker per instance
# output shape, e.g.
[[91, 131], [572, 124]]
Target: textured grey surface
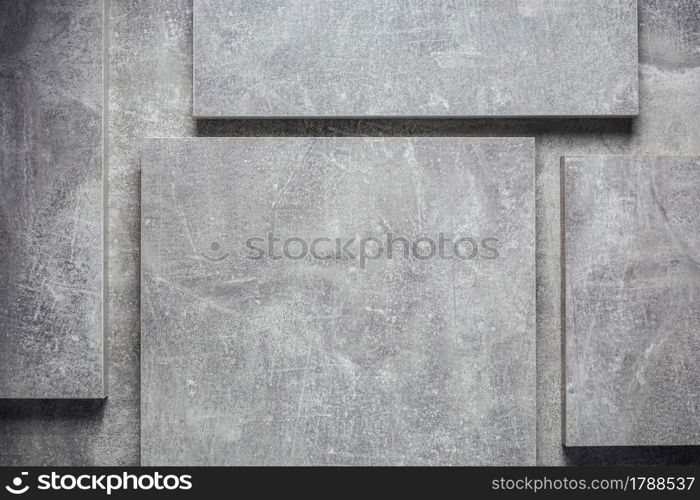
[[51, 200], [150, 85], [299, 58], [149, 94], [334, 360], [632, 315]]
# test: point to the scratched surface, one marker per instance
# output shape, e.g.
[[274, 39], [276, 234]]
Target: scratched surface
[[632, 242], [281, 58], [51, 203], [332, 360], [150, 95]]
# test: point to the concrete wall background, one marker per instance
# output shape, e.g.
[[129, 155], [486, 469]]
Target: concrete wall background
[[149, 94]]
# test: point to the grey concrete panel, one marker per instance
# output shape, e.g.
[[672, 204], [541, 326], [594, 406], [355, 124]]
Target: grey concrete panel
[[253, 357], [632, 308], [363, 58], [51, 200]]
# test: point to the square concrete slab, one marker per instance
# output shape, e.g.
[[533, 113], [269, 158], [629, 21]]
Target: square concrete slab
[[632, 300], [363, 58], [51, 199], [338, 301]]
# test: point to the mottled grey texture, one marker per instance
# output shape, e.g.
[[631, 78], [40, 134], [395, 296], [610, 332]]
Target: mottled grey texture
[[149, 94], [150, 84], [361, 58], [51, 200], [329, 361], [632, 310], [150, 45]]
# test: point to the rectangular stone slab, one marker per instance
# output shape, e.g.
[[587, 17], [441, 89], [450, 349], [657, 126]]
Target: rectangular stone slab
[[415, 58], [51, 199], [632, 300], [256, 355]]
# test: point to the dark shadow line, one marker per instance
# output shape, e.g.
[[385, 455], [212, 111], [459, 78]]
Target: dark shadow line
[[413, 127], [633, 455], [81, 409]]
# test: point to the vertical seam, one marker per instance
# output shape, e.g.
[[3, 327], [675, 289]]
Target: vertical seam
[[105, 197]]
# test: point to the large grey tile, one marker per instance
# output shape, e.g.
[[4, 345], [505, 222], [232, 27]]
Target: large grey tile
[[332, 360], [415, 58], [632, 300], [51, 199]]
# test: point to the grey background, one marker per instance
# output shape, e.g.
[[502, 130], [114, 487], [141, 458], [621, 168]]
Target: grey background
[[150, 91]]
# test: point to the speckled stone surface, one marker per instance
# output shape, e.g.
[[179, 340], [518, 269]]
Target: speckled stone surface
[[632, 308], [150, 93], [359, 58], [150, 82], [264, 359], [51, 200]]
